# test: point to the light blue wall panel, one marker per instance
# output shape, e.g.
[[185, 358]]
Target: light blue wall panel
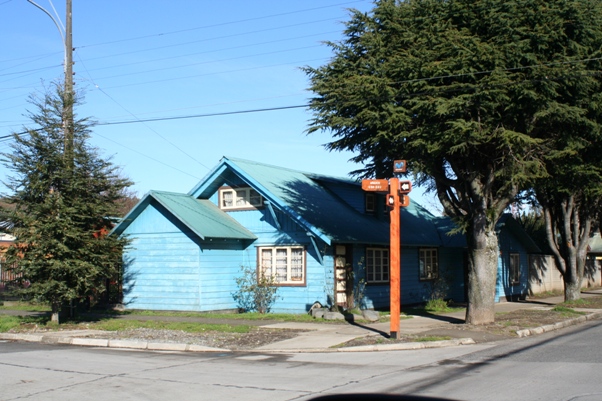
[[506, 291], [161, 265], [218, 272]]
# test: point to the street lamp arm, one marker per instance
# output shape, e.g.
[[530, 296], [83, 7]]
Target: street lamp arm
[[51, 17]]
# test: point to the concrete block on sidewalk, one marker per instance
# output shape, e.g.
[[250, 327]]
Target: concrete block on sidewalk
[[334, 316], [167, 347], [90, 342], [127, 344], [201, 348], [370, 315]]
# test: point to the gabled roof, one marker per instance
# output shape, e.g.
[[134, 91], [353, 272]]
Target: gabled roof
[[517, 230], [201, 216], [307, 198]]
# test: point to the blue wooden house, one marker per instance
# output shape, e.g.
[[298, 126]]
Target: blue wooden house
[[322, 238]]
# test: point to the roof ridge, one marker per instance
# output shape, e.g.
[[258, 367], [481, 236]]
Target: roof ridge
[[308, 174]]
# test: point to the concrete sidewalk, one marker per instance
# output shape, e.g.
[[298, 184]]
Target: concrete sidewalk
[[321, 337]]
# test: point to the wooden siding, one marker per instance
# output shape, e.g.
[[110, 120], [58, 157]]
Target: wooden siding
[[347, 194], [165, 269], [505, 290], [319, 277], [162, 273], [414, 291]]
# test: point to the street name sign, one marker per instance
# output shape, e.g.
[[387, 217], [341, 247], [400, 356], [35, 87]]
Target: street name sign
[[375, 185]]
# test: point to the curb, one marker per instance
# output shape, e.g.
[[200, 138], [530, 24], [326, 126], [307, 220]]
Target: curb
[[559, 325], [150, 346], [182, 347], [104, 343]]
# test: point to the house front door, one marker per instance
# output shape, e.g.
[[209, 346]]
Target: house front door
[[343, 270]]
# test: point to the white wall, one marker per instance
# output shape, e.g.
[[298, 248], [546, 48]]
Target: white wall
[[543, 275]]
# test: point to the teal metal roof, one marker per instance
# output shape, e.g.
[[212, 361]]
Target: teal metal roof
[[307, 198], [201, 216]]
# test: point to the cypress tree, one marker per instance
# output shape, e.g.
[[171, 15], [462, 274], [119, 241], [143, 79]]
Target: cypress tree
[[473, 94]]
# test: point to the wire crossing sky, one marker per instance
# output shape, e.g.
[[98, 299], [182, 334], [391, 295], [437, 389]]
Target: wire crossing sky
[[177, 85]]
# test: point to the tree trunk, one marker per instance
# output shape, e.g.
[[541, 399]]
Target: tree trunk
[[56, 308], [568, 235], [573, 277], [572, 291], [482, 272]]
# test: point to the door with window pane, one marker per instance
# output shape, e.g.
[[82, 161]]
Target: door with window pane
[[343, 275]]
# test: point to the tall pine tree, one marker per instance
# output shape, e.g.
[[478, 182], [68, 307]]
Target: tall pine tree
[[62, 209]]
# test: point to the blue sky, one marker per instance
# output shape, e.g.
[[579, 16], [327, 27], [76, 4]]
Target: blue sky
[[151, 59]]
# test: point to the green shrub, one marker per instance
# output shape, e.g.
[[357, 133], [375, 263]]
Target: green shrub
[[255, 292], [436, 305]]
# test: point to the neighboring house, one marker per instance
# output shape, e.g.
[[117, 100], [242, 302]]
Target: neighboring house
[[545, 276], [515, 246], [321, 237], [6, 276]]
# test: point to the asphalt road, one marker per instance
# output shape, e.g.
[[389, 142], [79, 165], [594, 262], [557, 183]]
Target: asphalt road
[[562, 365]]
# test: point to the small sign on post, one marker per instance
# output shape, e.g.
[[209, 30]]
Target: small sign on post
[[400, 166]]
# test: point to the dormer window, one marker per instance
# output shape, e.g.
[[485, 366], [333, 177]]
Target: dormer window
[[239, 198]]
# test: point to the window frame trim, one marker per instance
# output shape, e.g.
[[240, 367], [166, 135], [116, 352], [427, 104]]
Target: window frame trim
[[371, 196], [247, 206], [380, 282], [302, 283], [431, 249], [510, 278]]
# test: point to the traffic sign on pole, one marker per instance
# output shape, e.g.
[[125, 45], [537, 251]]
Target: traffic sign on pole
[[405, 187], [394, 260]]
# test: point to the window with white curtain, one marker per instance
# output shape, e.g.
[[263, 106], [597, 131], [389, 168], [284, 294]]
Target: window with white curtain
[[429, 263], [239, 198], [285, 263]]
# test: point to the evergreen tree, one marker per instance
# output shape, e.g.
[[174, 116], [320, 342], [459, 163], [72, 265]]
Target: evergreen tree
[[62, 209], [466, 92]]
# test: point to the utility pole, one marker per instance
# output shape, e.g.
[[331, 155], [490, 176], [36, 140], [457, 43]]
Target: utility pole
[[68, 95]]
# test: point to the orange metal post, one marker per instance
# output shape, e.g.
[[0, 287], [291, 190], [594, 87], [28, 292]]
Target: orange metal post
[[395, 258]]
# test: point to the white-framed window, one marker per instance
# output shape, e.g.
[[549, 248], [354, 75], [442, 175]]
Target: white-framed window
[[429, 263], [377, 265], [239, 198], [514, 268], [285, 263]]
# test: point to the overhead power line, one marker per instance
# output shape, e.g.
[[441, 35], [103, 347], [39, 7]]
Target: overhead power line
[[226, 113], [223, 24]]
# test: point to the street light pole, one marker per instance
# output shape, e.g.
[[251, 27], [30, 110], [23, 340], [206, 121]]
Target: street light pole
[[68, 96]]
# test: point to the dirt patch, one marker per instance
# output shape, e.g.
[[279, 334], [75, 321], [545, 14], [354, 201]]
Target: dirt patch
[[256, 338], [505, 327]]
